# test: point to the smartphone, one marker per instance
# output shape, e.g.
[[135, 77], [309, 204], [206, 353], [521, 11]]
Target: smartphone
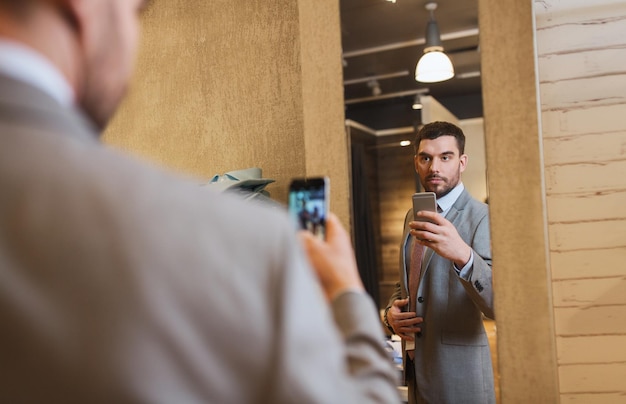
[[424, 201], [308, 204]]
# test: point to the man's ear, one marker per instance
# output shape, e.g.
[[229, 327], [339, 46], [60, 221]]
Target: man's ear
[[73, 12], [463, 162]]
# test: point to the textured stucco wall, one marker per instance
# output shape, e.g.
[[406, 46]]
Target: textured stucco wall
[[226, 85]]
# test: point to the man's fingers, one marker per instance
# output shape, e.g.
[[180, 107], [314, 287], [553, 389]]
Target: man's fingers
[[407, 337], [430, 216], [408, 325], [335, 233], [332, 259], [401, 302], [305, 237], [404, 315]]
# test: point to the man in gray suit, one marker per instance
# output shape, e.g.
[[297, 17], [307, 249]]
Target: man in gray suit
[[122, 283], [450, 361]]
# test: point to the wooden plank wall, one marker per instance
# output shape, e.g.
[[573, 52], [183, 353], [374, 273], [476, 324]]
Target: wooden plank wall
[[581, 48], [397, 182], [369, 140]]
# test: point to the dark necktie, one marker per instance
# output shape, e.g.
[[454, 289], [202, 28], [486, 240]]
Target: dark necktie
[[415, 269], [417, 252]]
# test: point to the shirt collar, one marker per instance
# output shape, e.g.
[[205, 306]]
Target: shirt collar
[[24, 64], [446, 201]]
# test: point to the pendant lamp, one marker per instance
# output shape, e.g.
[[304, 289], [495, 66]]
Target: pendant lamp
[[434, 65]]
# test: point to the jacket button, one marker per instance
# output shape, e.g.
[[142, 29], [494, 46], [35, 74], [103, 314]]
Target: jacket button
[[420, 299]]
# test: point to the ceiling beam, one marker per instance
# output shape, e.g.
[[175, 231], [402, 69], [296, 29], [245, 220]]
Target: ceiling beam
[[386, 96], [403, 73], [468, 75], [405, 44]]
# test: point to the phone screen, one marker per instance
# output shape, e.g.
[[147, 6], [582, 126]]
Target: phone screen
[[308, 204]]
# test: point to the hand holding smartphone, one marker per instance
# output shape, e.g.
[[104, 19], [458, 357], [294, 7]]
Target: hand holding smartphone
[[308, 204], [424, 201]]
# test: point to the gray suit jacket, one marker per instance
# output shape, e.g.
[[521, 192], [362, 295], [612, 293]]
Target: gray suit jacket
[[122, 283], [452, 356]]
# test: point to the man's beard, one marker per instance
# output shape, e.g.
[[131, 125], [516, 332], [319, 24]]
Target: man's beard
[[441, 189]]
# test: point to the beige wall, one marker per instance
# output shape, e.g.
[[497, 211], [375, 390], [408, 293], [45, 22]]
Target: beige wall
[[475, 175], [226, 85], [433, 110], [581, 49]]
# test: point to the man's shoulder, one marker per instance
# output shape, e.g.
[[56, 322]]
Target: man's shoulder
[[224, 213], [132, 195], [468, 202], [478, 206], [471, 212]]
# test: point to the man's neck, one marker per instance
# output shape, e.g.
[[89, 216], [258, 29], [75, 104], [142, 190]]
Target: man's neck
[[446, 201], [45, 50]]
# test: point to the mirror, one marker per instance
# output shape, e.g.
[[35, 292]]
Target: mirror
[[382, 42]]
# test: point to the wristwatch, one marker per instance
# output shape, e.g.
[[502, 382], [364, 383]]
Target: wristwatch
[[389, 327]]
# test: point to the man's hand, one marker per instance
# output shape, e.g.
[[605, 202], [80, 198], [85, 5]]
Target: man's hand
[[404, 323], [441, 236], [333, 259]]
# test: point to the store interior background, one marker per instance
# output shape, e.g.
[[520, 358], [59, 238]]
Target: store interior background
[[382, 42], [245, 91]]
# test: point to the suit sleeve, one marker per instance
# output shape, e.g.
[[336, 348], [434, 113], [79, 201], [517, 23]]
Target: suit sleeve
[[396, 295], [478, 282], [329, 353]]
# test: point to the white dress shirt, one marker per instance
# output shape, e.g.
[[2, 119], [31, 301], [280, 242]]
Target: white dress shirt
[[25, 64]]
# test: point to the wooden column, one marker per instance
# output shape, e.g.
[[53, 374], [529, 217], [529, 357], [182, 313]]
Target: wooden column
[[523, 302]]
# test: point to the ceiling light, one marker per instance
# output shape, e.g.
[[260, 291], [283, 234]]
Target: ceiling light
[[375, 87], [393, 1], [434, 65], [405, 143], [417, 102]]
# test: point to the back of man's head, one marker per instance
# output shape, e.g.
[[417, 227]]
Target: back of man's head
[[17, 8], [91, 43]]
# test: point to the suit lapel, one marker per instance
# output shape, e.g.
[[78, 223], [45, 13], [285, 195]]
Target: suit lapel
[[458, 206]]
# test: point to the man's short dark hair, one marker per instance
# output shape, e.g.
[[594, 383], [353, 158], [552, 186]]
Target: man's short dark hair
[[19, 8], [437, 129]]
